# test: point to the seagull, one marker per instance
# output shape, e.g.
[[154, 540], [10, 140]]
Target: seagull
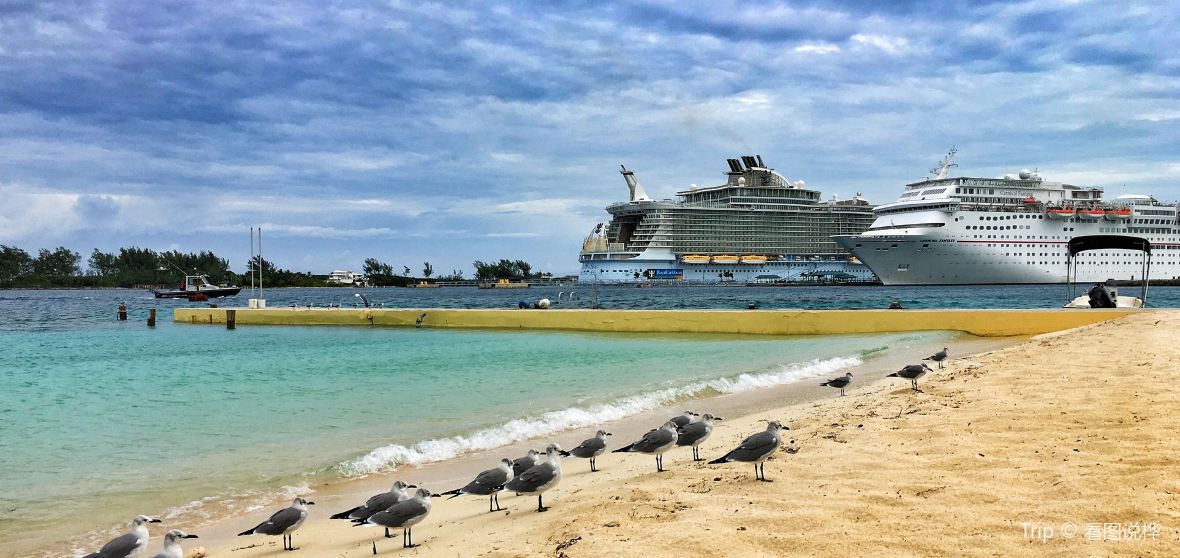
[[380, 502], [522, 464], [540, 477], [840, 382], [657, 442], [488, 483], [405, 514], [938, 357], [591, 448], [125, 546], [912, 372], [284, 522], [172, 544], [696, 433], [756, 449], [682, 420]]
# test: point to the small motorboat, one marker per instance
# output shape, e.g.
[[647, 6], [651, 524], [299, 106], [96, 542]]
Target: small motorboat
[[196, 288], [1106, 295]]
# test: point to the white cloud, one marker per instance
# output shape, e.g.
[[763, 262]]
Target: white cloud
[[888, 44], [817, 48]]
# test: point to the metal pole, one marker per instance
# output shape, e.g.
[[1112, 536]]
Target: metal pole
[[261, 263], [251, 267]]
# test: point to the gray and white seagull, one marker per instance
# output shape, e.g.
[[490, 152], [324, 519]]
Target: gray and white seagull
[[938, 357], [591, 448], [655, 442], [129, 544], [522, 464], [488, 483], [756, 449], [378, 503], [542, 477], [172, 547], [841, 382], [404, 515], [284, 522], [912, 372], [682, 420], [696, 433]]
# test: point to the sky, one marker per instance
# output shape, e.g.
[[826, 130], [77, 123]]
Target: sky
[[450, 132]]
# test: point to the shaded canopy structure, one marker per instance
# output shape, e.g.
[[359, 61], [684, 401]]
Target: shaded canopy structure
[[1079, 244], [1108, 242]]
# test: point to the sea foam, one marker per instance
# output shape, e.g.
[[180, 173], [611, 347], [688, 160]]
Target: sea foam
[[391, 456]]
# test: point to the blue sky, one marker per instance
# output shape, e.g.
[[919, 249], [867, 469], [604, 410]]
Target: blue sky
[[448, 132]]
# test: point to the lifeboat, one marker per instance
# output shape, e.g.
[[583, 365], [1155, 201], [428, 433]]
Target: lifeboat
[[1121, 214], [753, 259], [1030, 199], [724, 259], [694, 259], [1059, 213], [1091, 214]]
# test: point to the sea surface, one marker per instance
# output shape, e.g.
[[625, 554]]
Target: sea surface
[[101, 420]]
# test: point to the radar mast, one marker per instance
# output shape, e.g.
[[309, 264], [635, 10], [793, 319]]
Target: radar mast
[[944, 167]]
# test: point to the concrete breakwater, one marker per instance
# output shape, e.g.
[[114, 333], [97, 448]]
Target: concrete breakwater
[[985, 323]]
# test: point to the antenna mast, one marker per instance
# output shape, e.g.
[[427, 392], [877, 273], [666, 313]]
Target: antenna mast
[[944, 167]]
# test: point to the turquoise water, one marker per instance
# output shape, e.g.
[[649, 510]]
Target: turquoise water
[[148, 420]]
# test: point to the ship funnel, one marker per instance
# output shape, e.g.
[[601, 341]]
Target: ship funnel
[[760, 163], [734, 165], [637, 191]]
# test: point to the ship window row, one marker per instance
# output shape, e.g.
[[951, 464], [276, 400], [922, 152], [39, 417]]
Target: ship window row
[[1006, 217], [1154, 221]]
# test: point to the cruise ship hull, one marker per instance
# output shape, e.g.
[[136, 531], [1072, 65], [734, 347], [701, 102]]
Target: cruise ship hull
[[670, 268]]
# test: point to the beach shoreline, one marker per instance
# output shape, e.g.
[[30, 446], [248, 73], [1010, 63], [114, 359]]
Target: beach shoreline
[[216, 523]]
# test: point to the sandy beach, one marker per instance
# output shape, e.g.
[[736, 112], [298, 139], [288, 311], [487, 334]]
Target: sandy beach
[[1063, 444]]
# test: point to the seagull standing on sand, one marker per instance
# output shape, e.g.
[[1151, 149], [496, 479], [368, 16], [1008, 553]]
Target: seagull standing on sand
[[591, 448], [488, 483], [756, 449], [696, 433], [540, 478], [378, 503], [912, 372], [405, 514], [839, 382], [655, 442], [129, 544], [172, 544], [683, 420], [522, 464], [284, 522], [938, 357]]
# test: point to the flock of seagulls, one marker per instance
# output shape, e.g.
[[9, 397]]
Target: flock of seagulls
[[398, 509]]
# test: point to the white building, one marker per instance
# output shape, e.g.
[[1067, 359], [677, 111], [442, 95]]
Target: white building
[[345, 277]]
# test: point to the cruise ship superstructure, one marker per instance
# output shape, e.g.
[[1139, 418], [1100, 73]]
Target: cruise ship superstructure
[[756, 227], [1015, 229]]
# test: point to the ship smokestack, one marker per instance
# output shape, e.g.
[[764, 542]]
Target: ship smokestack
[[637, 191]]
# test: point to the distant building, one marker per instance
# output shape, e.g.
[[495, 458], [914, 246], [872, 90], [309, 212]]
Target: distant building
[[346, 277]]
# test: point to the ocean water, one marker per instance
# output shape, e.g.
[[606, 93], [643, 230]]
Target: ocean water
[[180, 419]]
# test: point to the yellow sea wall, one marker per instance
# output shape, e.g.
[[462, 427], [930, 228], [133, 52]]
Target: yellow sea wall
[[987, 323]]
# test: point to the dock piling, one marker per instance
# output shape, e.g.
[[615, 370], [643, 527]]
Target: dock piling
[[152, 317], [122, 312], [231, 319]]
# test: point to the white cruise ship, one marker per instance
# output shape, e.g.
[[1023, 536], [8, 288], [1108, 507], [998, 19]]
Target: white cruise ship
[[960, 230], [757, 227]]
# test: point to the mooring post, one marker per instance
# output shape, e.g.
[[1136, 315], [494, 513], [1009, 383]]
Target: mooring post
[[122, 312], [231, 319], [152, 317]]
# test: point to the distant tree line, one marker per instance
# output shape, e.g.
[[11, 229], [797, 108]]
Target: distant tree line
[[144, 267]]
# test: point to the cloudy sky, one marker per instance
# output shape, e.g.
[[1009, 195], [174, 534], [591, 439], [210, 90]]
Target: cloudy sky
[[451, 132]]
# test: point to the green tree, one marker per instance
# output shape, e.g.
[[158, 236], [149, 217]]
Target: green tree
[[57, 263], [103, 263], [14, 264]]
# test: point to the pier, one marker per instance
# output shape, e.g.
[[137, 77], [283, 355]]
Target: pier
[[984, 323]]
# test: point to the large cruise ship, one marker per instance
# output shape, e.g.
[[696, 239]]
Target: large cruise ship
[[757, 227], [1015, 229]]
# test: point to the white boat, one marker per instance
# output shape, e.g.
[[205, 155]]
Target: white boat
[[965, 230], [1102, 295]]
